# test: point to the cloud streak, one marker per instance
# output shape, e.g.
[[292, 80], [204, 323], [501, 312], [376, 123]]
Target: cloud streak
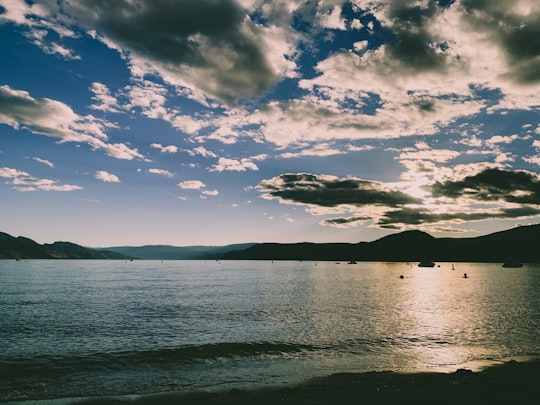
[[52, 118], [24, 182]]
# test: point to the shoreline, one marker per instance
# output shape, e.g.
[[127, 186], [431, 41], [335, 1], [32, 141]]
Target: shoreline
[[503, 381]]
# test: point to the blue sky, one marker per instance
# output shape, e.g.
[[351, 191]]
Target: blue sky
[[210, 122]]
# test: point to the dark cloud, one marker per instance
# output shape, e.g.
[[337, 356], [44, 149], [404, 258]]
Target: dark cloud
[[181, 34], [419, 216], [517, 34], [17, 105], [425, 105], [332, 192], [493, 185], [345, 220], [403, 217], [413, 45]]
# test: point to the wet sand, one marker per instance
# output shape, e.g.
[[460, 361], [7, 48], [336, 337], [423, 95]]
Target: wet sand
[[508, 383]]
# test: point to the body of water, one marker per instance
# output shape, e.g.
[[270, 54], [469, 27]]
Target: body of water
[[92, 328]]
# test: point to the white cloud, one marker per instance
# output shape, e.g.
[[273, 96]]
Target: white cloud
[[103, 100], [322, 149], [233, 165], [24, 182], [331, 18], [533, 160], [165, 149], [202, 151], [191, 185], [10, 173], [212, 193], [106, 177], [44, 161], [437, 155], [37, 18], [187, 124], [150, 98], [55, 48], [161, 172], [501, 139]]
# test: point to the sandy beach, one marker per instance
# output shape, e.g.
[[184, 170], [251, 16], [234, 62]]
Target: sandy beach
[[510, 382]]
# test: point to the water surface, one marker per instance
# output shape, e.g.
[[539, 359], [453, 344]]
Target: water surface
[[85, 328]]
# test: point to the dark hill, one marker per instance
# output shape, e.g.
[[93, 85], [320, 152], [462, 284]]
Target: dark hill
[[517, 244], [295, 251], [23, 248]]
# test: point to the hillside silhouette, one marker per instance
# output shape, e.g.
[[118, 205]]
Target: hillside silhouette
[[518, 244], [23, 248]]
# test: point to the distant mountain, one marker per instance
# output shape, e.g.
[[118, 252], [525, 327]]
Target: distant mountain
[[517, 244], [23, 248], [166, 252]]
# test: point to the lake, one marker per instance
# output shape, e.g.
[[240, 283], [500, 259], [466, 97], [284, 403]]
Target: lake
[[77, 328]]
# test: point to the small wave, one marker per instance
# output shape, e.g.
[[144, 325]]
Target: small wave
[[166, 357]]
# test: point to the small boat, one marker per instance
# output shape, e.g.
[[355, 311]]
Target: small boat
[[512, 264], [426, 263], [352, 262]]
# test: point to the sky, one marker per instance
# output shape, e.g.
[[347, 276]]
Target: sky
[[213, 122]]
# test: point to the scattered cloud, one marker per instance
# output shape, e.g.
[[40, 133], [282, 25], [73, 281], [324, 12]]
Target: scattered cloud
[[322, 149], [106, 177], [201, 151], [24, 182], [429, 83], [103, 99]]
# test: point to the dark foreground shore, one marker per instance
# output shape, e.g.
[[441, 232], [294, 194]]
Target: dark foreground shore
[[509, 383]]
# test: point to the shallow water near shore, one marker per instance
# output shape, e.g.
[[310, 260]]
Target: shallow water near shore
[[113, 328]]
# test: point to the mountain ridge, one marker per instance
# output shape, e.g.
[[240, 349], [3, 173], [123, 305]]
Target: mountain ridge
[[515, 244], [520, 243], [20, 247], [168, 252]]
